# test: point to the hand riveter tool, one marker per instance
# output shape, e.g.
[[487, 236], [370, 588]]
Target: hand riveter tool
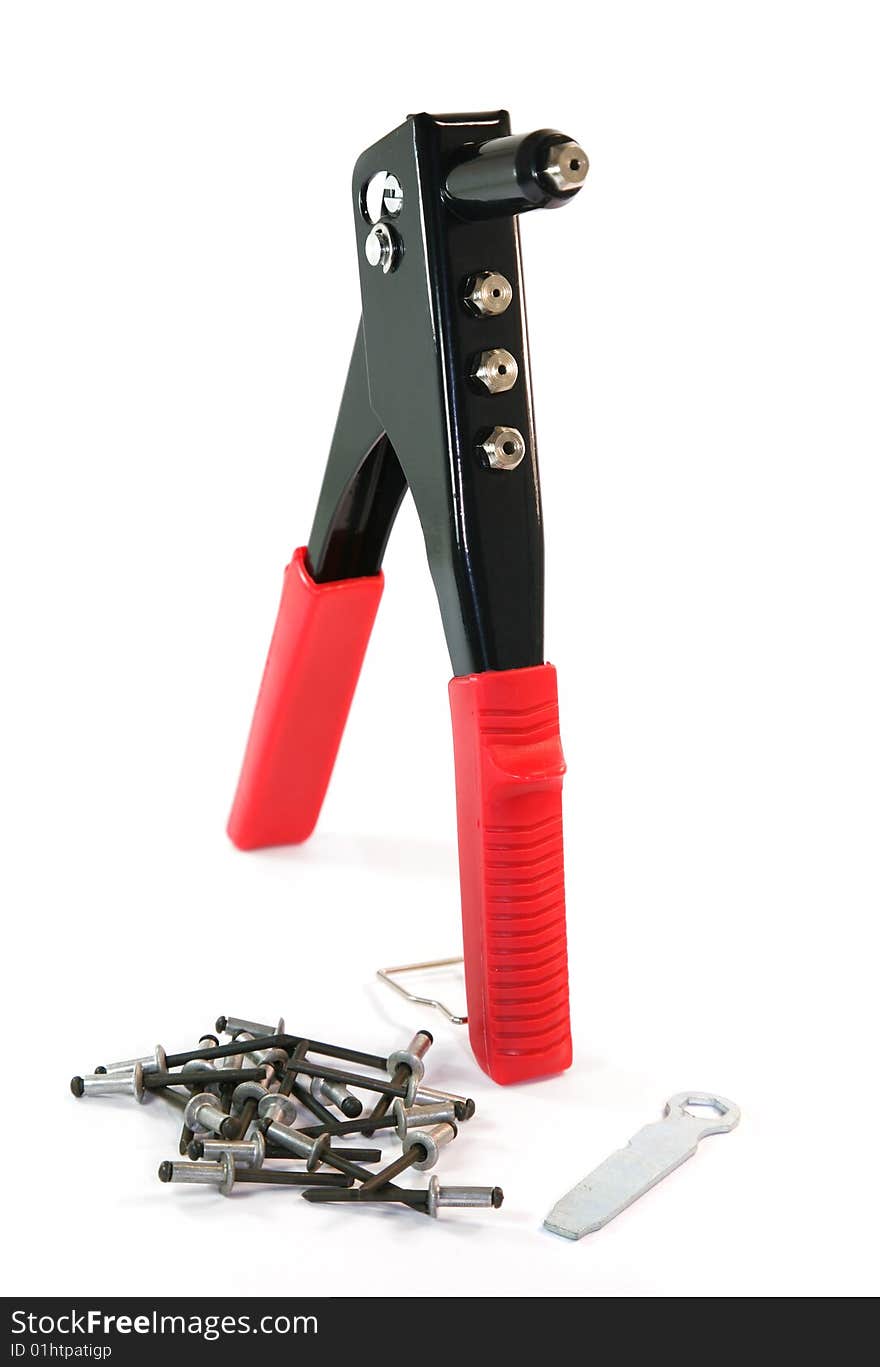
[[438, 400]]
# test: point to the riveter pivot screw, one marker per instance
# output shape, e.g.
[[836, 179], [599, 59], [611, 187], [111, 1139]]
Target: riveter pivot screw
[[381, 197], [111, 1084], [382, 247]]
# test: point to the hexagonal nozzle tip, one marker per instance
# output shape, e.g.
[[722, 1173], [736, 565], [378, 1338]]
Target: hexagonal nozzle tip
[[565, 166]]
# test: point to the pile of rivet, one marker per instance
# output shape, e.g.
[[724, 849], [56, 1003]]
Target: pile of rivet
[[241, 1102]]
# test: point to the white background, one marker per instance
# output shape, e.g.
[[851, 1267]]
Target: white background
[[179, 295]]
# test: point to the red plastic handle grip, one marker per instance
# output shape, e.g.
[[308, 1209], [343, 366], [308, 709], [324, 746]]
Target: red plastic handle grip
[[312, 669], [508, 777]]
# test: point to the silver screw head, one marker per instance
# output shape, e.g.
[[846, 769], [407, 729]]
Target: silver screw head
[[382, 247], [488, 293], [504, 448], [496, 370], [566, 166], [392, 195], [381, 197]]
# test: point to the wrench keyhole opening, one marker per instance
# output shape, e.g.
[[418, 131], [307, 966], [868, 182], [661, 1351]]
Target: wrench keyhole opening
[[705, 1110]]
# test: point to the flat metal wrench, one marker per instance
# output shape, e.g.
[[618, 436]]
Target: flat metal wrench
[[650, 1155]]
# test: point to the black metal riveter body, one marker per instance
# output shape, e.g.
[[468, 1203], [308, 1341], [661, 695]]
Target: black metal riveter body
[[409, 395], [438, 401]]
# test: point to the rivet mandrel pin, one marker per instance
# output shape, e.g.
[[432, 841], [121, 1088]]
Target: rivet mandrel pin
[[351, 1154], [275, 1056], [274, 1106], [429, 1201], [224, 1176], [363, 1125], [245, 1153], [208, 1077], [421, 1149], [407, 1068], [245, 1100], [203, 1066], [284, 1041], [150, 1063], [326, 1119], [314, 1151]]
